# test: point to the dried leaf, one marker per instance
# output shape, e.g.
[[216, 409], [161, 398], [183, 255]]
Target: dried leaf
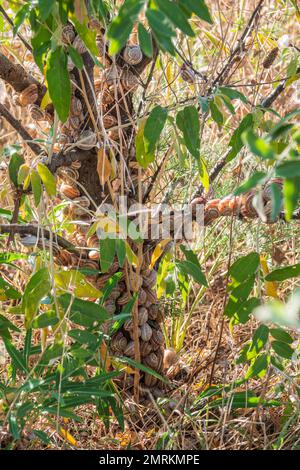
[[103, 166]]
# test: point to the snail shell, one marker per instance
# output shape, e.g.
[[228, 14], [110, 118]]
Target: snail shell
[[247, 208], [146, 332], [129, 350], [145, 348], [151, 296], [142, 297], [70, 64], [29, 95], [110, 306], [95, 24], [90, 264], [211, 211], [93, 241], [267, 191], [36, 113], [149, 279], [63, 258], [87, 140], [118, 343], [131, 333], [68, 34], [157, 338], [224, 207], [115, 293], [102, 280], [124, 299], [129, 80], [135, 281], [150, 380], [153, 311], [69, 191], [79, 239], [76, 165], [132, 54], [83, 201], [128, 325], [151, 360], [142, 315], [79, 45], [73, 123], [76, 106], [109, 121], [187, 74], [94, 255], [16, 99], [100, 43], [112, 75], [67, 173]]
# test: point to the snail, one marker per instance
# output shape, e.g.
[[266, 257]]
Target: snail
[[187, 74], [36, 113], [129, 80], [69, 191], [79, 45], [87, 140], [68, 34], [29, 95], [132, 54]]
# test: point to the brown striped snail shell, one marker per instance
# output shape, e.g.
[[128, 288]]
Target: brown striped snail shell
[[88, 263], [70, 64], [110, 306], [142, 298], [124, 299], [149, 279], [67, 173], [63, 258], [29, 95], [16, 99], [73, 123], [100, 43], [129, 81], [142, 316], [131, 333], [135, 281], [83, 201], [93, 241], [76, 106], [65, 138], [145, 348], [224, 207], [115, 293], [114, 134], [187, 74], [79, 45], [112, 75], [36, 113], [150, 380], [102, 280], [211, 211], [247, 208], [267, 191], [151, 361], [132, 54], [118, 343], [68, 34], [109, 121], [151, 296], [69, 191], [95, 24], [99, 85], [146, 332], [157, 337], [128, 324], [129, 350], [105, 97], [76, 165], [80, 239], [87, 140], [153, 311]]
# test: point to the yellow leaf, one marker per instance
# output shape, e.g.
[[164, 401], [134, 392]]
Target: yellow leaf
[[46, 100], [158, 251], [103, 166], [76, 281], [105, 356], [68, 437], [271, 287], [218, 43]]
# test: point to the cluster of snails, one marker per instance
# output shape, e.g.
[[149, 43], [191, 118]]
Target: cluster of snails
[[29, 97], [242, 205]]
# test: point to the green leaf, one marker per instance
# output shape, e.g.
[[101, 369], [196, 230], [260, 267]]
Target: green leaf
[[244, 310], [143, 158], [36, 185], [42, 436], [258, 146], [246, 399], [38, 287], [174, 13], [289, 169], [107, 253], [153, 128], [88, 36], [162, 30], [76, 57], [282, 274], [13, 426], [92, 310], [257, 178], [45, 8], [258, 367], [236, 142], [8, 291], [281, 335], [84, 337], [47, 178], [45, 319], [259, 339], [17, 357], [15, 163], [243, 268], [232, 94], [198, 7], [20, 18], [204, 104], [282, 349], [145, 41], [238, 295], [216, 114], [59, 82], [137, 365], [191, 266], [121, 26], [188, 122], [291, 193]]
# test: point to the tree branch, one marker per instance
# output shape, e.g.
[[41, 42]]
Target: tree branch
[[20, 129], [18, 78]]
